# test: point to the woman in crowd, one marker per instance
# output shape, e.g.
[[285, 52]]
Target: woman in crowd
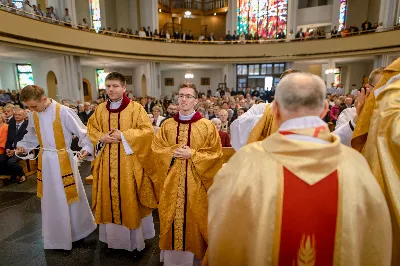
[[225, 139], [157, 114], [3, 134], [334, 113]]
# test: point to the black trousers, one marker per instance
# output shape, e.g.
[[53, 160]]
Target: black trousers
[[11, 165]]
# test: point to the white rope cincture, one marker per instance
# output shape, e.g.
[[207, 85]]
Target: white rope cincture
[[77, 154]]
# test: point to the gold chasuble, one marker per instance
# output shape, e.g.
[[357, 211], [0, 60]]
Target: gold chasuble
[[122, 193], [382, 151], [362, 128], [183, 184], [285, 202], [264, 127], [63, 157]]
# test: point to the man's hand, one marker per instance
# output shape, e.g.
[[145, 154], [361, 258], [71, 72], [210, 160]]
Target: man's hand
[[361, 99], [106, 138], [183, 153], [83, 154], [10, 153], [20, 150], [115, 133]]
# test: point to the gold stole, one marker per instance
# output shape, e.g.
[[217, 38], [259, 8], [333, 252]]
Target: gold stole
[[265, 127], [63, 158]]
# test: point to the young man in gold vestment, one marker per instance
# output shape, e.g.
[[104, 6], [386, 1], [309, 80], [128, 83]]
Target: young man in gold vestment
[[66, 215], [299, 197], [187, 152], [123, 197]]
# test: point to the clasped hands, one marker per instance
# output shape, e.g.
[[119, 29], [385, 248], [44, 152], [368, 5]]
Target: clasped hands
[[183, 152], [114, 136]]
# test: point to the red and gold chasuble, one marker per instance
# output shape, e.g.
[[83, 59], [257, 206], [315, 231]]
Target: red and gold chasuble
[[304, 240]]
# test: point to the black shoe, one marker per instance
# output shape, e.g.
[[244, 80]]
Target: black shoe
[[137, 254], [79, 244]]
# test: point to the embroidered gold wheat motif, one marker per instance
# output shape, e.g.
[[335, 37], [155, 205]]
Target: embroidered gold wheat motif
[[306, 255]]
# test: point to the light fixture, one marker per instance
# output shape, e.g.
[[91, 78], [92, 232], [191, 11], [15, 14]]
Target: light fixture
[[188, 13], [215, 14], [189, 75], [226, 10], [159, 10], [329, 71]]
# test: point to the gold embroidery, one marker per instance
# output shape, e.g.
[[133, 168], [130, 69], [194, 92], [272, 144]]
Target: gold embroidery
[[306, 255], [179, 219]]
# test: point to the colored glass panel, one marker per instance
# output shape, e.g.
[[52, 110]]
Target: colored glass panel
[[266, 18], [342, 14], [19, 3], [25, 75], [96, 17], [337, 75], [101, 79]]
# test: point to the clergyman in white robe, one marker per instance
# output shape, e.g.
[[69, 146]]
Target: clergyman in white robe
[[62, 224]]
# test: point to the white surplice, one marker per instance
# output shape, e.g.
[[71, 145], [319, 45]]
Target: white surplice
[[118, 236], [345, 116], [62, 224], [240, 128]]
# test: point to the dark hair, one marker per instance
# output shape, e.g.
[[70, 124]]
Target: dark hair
[[116, 76], [31, 92], [192, 86]]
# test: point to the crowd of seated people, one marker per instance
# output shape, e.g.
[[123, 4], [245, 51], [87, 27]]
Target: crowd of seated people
[[49, 15], [222, 108]]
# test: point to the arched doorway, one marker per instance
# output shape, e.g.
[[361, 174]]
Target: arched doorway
[[52, 85], [87, 90], [144, 86]]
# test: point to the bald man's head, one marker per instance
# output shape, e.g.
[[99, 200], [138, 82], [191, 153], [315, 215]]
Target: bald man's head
[[223, 115], [300, 94]]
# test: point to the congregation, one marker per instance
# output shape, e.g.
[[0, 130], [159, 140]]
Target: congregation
[[186, 36]]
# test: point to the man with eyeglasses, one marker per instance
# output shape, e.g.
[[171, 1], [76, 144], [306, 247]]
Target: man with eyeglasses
[[188, 153]]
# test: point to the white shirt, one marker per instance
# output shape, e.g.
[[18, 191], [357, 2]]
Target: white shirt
[[345, 116], [127, 148], [301, 123]]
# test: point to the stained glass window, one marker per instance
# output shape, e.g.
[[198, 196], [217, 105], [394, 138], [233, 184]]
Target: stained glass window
[[25, 76], [101, 79], [96, 17], [19, 3], [342, 14], [266, 18], [337, 75]]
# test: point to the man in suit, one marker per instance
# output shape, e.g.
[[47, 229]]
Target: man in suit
[[8, 112], [211, 38], [16, 132], [86, 114], [149, 105]]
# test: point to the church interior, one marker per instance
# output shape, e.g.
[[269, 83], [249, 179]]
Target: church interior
[[235, 52]]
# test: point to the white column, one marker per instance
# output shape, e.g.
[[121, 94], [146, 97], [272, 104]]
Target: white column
[[149, 14], [330, 77], [102, 14], [70, 4], [387, 12], [154, 86], [335, 13], [231, 16], [133, 15], [71, 79], [382, 61], [292, 16]]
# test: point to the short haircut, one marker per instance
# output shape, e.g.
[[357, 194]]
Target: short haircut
[[9, 105], [156, 107], [215, 120], [116, 76], [18, 109], [31, 92], [288, 71], [299, 92], [192, 86], [376, 72]]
